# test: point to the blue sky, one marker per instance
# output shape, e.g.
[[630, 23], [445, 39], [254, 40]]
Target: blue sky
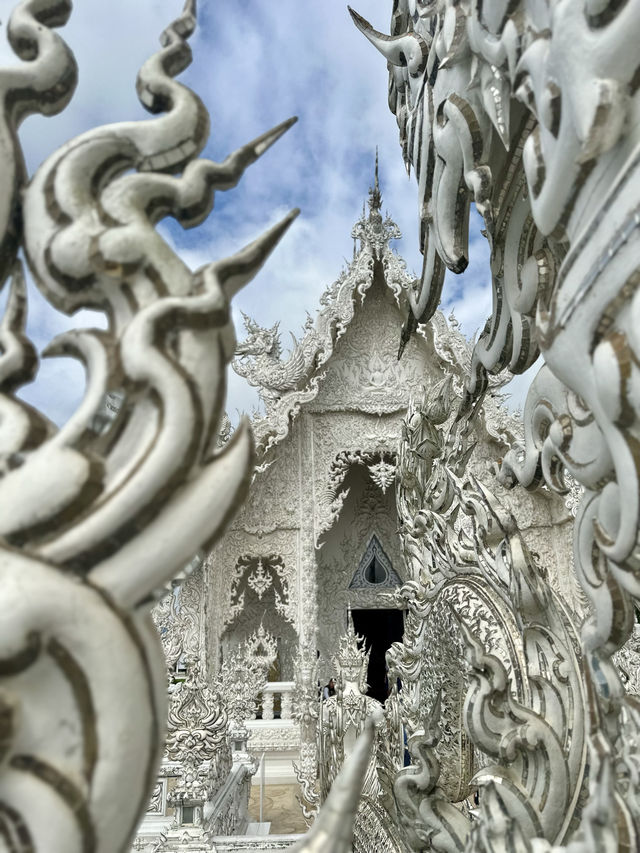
[[255, 64]]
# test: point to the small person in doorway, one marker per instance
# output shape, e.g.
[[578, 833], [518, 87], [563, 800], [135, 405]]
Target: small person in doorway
[[329, 689]]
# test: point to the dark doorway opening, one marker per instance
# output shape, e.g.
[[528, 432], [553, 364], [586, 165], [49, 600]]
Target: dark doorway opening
[[380, 628]]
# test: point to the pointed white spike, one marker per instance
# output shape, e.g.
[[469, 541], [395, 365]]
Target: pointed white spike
[[407, 49], [332, 831], [236, 271]]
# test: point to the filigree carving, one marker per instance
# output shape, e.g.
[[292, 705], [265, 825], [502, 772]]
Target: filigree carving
[[262, 647], [261, 575], [425, 815], [497, 106], [177, 618], [156, 803], [374, 231], [95, 522], [382, 473], [341, 719], [275, 738], [243, 676], [304, 371], [517, 720], [329, 502], [241, 547], [259, 580], [628, 662], [367, 513], [258, 359], [375, 569], [197, 739]]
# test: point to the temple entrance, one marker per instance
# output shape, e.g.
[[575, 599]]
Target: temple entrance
[[380, 628]]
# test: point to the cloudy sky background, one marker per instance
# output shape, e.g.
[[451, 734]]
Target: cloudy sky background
[[255, 64]]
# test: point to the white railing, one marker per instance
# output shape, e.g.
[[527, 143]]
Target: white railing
[[276, 699]]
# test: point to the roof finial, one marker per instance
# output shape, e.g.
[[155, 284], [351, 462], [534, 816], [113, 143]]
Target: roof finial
[[375, 196], [377, 184]]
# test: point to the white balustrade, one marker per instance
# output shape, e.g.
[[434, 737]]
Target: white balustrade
[[276, 699]]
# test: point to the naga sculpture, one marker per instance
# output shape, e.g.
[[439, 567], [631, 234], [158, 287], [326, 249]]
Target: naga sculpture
[[258, 359], [94, 522], [529, 110]]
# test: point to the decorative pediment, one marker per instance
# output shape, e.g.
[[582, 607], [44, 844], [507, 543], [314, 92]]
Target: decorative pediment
[[370, 379]]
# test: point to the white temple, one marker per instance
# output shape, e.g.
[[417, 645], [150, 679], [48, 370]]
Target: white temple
[[319, 535], [470, 579]]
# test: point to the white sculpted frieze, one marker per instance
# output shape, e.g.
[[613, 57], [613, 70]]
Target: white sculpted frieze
[[365, 373], [236, 551]]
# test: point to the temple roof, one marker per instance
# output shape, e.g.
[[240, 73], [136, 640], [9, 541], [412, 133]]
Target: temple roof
[[286, 385]]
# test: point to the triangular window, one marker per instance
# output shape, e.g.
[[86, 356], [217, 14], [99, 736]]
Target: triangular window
[[374, 568]]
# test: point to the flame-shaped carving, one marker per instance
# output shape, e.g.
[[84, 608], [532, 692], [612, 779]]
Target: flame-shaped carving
[[93, 522], [42, 83]]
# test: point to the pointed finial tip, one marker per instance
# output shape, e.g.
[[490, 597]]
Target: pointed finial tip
[[375, 196]]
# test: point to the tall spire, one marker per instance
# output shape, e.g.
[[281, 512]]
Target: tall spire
[[373, 231], [375, 196]]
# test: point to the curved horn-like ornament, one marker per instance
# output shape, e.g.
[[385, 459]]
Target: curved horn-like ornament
[[408, 49], [333, 830]]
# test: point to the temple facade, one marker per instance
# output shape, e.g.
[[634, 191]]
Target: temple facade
[[319, 536], [319, 531]]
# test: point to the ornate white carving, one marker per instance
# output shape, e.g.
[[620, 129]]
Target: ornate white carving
[[383, 474], [259, 580], [378, 386], [243, 676], [158, 797], [341, 719], [367, 513], [262, 647], [628, 662], [197, 740], [258, 359], [239, 548], [178, 619], [480, 596], [275, 737], [374, 553], [529, 110], [95, 519], [261, 575], [330, 500]]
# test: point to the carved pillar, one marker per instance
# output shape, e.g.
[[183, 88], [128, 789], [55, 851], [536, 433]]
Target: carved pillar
[[267, 705], [308, 611], [287, 702]]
